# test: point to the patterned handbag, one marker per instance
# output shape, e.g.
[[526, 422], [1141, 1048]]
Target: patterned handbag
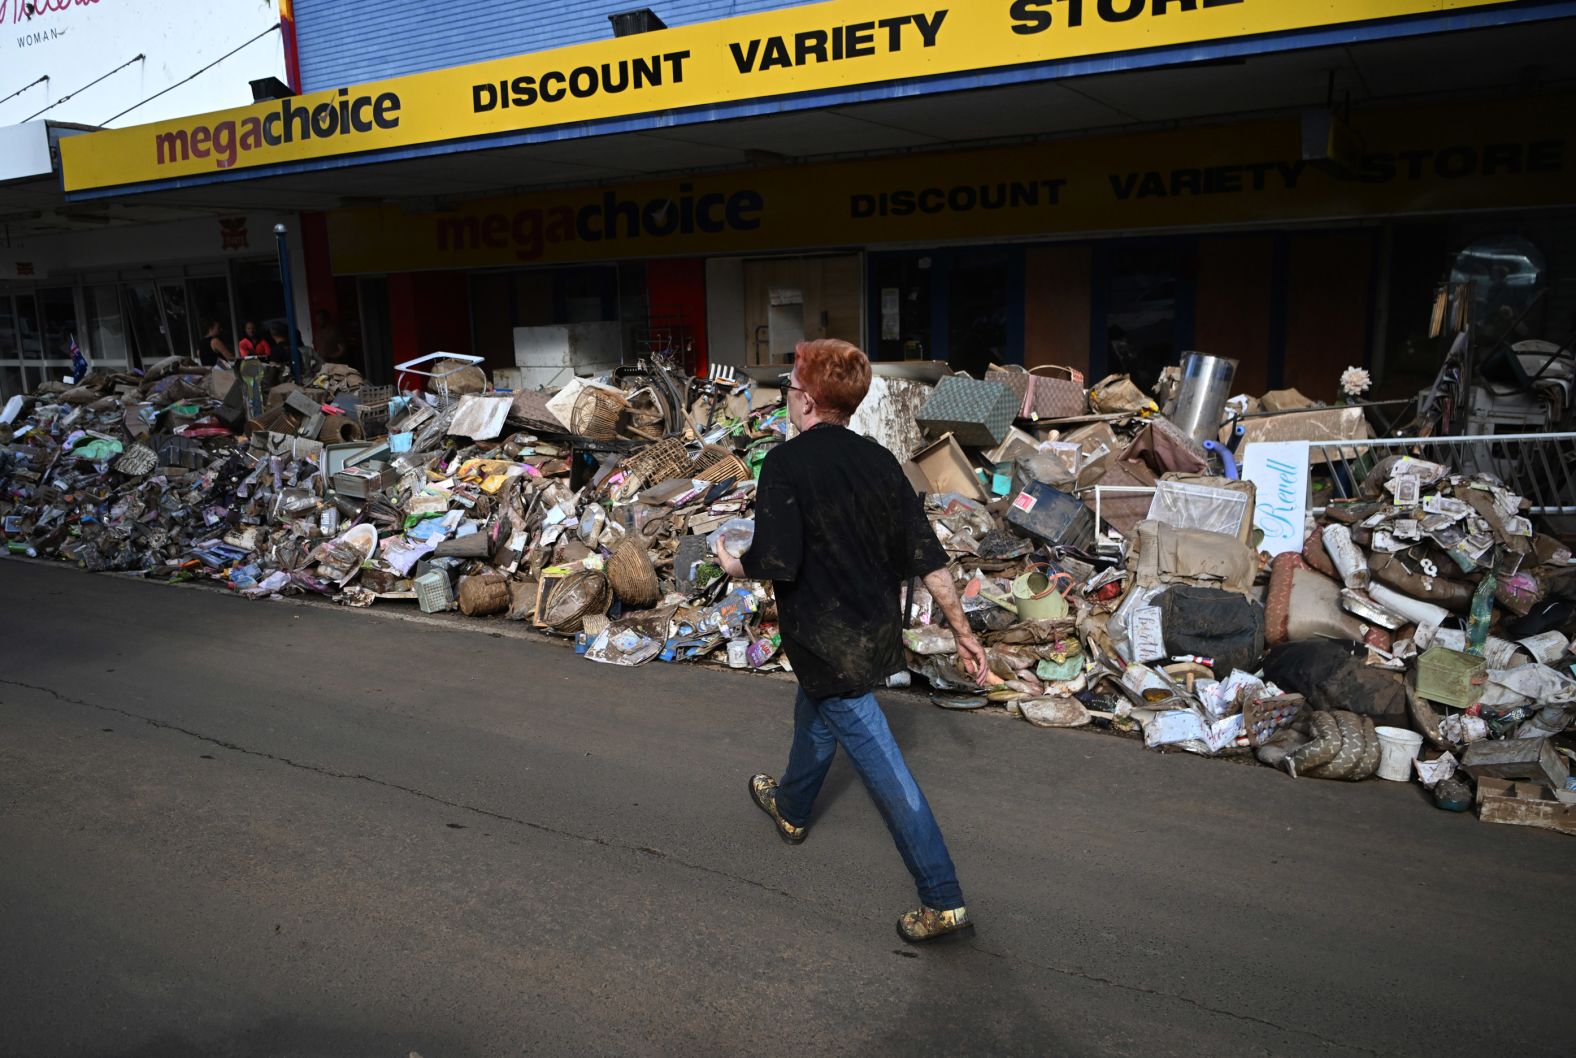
[[1013, 376], [1055, 393], [978, 413]]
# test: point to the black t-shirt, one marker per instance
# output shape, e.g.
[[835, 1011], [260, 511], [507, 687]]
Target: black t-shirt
[[838, 529]]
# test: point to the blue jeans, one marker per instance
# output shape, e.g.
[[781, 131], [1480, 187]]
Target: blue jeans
[[859, 726]]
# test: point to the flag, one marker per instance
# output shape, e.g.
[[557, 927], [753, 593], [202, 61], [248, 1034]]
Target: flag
[[79, 363]]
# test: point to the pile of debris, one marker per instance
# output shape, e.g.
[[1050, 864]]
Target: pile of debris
[[1110, 551]]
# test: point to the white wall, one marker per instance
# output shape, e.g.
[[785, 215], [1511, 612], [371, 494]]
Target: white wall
[[76, 42], [726, 340]]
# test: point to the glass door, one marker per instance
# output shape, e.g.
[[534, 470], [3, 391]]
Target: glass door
[[177, 321], [145, 322], [105, 341], [58, 310]]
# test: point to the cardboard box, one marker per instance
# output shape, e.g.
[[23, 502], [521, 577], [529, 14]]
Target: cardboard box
[[1523, 804], [947, 469], [1518, 759]]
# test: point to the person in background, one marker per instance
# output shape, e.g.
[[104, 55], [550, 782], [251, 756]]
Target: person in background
[[838, 530], [213, 349], [253, 343], [280, 336], [327, 342]]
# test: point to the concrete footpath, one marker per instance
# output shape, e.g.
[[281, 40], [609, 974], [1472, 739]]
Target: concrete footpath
[[233, 828]]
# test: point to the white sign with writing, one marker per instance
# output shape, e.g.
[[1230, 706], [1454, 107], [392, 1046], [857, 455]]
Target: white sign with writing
[[1279, 472], [86, 61]]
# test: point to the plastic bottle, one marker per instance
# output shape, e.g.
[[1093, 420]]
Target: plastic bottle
[[1482, 615]]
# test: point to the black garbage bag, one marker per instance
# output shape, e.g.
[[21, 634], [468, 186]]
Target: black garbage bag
[[1331, 676], [1213, 623]]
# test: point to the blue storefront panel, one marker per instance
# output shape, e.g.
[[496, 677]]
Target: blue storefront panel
[[344, 42]]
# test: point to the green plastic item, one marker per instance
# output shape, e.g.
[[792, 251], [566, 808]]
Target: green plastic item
[[1482, 614], [98, 450]]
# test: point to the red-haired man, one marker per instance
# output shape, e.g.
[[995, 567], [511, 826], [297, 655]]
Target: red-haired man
[[838, 530]]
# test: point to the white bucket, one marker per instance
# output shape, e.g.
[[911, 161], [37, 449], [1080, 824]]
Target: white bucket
[[738, 653], [1398, 747]]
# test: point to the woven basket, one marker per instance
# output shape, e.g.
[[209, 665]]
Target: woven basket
[[484, 594], [572, 598], [663, 461], [717, 463], [596, 414], [633, 577]]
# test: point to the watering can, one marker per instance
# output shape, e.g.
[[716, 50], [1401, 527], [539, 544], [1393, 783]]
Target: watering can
[[1042, 596]]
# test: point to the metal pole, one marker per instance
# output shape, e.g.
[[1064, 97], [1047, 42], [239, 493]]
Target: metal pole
[[290, 316]]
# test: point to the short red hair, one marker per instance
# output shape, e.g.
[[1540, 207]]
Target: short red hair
[[835, 373]]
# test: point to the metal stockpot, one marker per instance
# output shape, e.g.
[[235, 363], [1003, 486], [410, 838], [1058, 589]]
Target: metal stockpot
[[1206, 385]]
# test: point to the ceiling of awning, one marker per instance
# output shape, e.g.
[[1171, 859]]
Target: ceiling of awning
[[1504, 61]]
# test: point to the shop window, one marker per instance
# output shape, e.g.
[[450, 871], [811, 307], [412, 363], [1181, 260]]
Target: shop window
[[538, 297], [978, 302], [1146, 300], [29, 335], [10, 352], [259, 296], [210, 300], [903, 305], [105, 341]]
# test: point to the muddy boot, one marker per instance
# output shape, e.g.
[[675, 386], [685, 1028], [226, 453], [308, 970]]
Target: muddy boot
[[927, 924], [763, 791]]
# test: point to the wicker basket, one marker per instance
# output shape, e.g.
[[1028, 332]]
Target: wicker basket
[[596, 414], [663, 461], [717, 463], [572, 598], [484, 594], [631, 574]]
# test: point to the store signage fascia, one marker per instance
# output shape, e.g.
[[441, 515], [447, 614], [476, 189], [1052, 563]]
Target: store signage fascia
[[827, 46], [1428, 159]]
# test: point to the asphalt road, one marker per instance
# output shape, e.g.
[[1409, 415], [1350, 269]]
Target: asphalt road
[[233, 828]]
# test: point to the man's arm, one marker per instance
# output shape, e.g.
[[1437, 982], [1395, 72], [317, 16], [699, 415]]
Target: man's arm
[[939, 583]]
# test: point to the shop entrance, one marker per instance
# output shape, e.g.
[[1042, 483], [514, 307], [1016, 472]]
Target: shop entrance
[[1148, 312], [790, 299], [964, 306]]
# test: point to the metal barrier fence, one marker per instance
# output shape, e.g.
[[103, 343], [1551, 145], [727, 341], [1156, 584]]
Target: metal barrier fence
[[1538, 466]]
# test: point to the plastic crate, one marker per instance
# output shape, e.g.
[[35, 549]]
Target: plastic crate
[[434, 593], [1450, 677]]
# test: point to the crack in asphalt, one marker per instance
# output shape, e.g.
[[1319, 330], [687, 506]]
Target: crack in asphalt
[[649, 852], [589, 839], [1205, 1007]]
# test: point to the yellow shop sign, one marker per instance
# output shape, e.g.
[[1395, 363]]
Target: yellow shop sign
[[814, 47]]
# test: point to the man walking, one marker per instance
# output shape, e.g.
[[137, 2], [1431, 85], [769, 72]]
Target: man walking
[[838, 530]]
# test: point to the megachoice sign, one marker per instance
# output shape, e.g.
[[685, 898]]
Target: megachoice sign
[[800, 49], [1424, 160]]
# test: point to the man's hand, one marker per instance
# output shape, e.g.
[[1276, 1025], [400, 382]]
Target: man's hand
[[970, 654], [730, 565]]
